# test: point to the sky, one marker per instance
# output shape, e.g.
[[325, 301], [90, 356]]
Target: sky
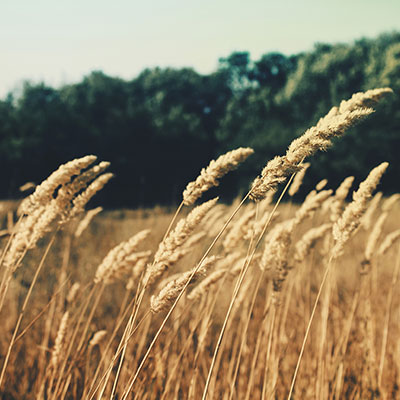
[[58, 41]]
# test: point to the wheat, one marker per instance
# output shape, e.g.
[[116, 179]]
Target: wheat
[[298, 179], [388, 242], [368, 217], [351, 217], [390, 202], [97, 338], [263, 327], [216, 169], [82, 199], [321, 184], [70, 189], [73, 291], [307, 242], [167, 252], [59, 342], [86, 220], [340, 196], [44, 192], [118, 257], [30, 230], [319, 137], [44, 208], [171, 291], [374, 237], [239, 230], [206, 284]]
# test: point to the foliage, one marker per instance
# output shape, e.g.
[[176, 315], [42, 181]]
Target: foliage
[[165, 118]]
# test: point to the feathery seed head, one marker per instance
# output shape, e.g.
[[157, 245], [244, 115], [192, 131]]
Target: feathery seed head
[[171, 248], [117, 258], [59, 342], [321, 184], [298, 179], [318, 137], [45, 191], [312, 202], [206, 284], [216, 169], [73, 292], [390, 239], [339, 198], [364, 99], [81, 200], [275, 172], [84, 223], [171, 291], [239, 230], [351, 217], [97, 338], [390, 202], [368, 217], [374, 237], [308, 240], [276, 251]]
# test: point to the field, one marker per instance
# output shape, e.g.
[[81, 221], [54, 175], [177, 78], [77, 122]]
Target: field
[[260, 299]]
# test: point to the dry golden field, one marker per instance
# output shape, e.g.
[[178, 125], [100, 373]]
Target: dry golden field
[[259, 299]]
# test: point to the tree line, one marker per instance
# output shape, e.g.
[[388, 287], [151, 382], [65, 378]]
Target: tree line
[[160, 128]]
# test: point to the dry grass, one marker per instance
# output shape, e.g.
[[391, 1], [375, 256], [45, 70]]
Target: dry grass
[[184, 350], [108, 312]]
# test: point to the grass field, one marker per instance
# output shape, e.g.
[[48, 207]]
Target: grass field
[[263, 299]]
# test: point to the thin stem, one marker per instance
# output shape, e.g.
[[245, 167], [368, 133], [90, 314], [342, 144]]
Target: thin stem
[[309, 327], [124, 343], [54, 297], [28, 295], [253, 300], [184, 348], [133, 317], [180, 295], [387, 318], [272, 327], [256, 356], [235, 293], [173, 220], [238, 285], [118, 353], [121, 359], [75, 332], [117, 326]]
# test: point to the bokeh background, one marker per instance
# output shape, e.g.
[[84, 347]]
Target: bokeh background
[[160, 88]]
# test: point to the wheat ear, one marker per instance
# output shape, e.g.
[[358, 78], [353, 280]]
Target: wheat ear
[[166, 254], [117, 257], [388, 242], [298, 179], [319, 137], [84, 223], [216, 169], [171, 291], [44, 192], [351, 217]]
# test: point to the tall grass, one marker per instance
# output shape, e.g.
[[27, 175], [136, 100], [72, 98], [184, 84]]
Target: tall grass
[[259, 299]]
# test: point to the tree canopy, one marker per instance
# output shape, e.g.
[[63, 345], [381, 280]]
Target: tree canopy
[[160, 128]]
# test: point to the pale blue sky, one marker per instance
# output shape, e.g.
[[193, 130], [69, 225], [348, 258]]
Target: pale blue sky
[[60, 41]]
